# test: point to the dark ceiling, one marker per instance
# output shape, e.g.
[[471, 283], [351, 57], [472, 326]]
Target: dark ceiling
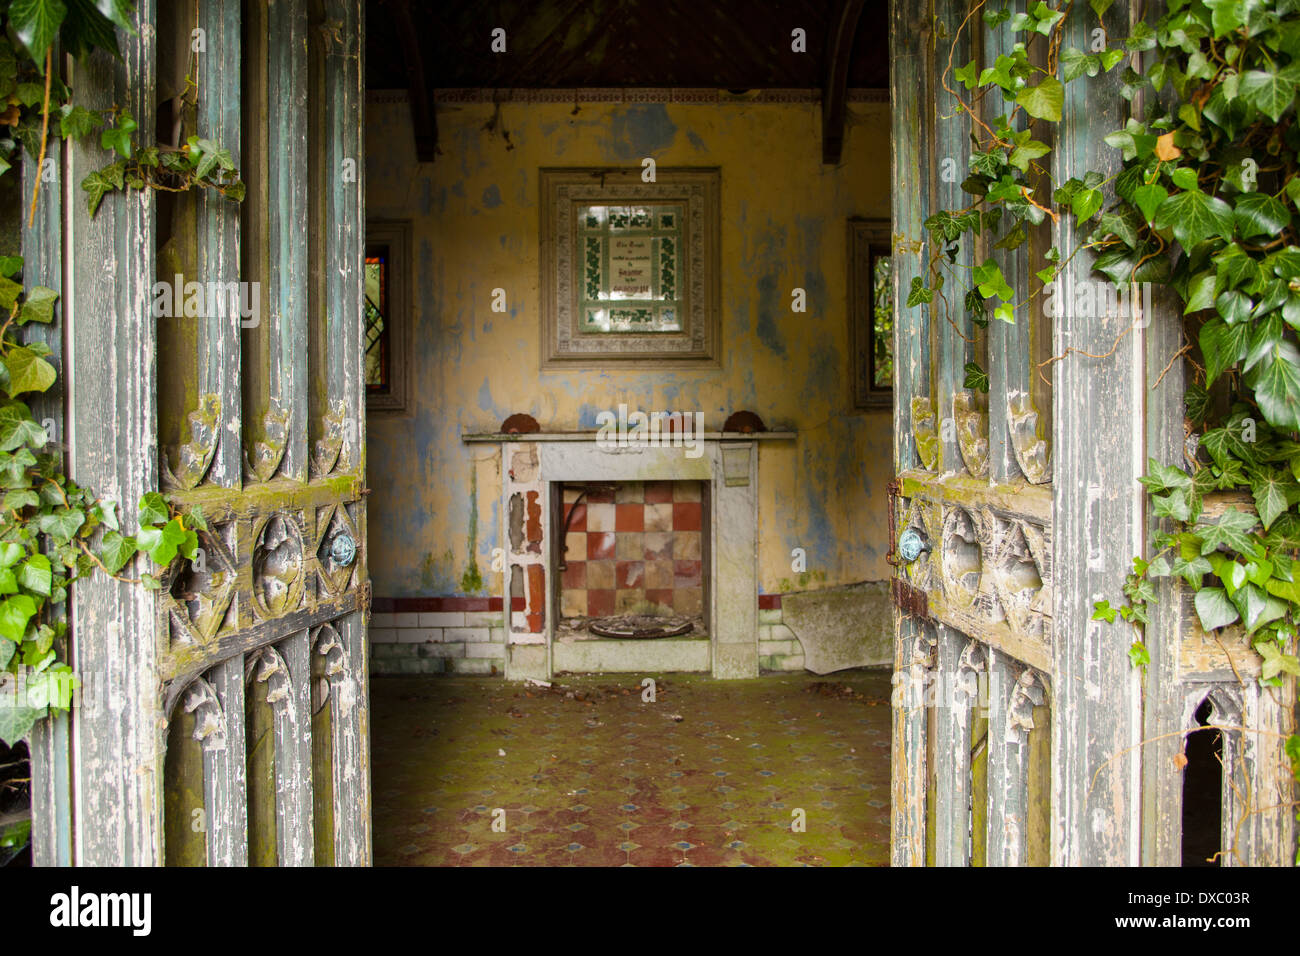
[[723, 44]]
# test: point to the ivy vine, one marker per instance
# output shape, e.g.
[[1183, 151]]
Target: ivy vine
[[52, 531], [1205, 202]]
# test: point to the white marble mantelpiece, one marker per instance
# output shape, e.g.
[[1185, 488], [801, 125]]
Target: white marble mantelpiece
[[727, 461]]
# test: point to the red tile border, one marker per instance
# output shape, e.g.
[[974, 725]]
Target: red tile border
[[388, 605], [397, 605]]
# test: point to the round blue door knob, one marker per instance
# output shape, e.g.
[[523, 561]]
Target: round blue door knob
[[343, 549], [911, 545]]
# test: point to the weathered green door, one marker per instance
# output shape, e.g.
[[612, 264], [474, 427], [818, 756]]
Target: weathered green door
[[223, 719], [1022, 732]]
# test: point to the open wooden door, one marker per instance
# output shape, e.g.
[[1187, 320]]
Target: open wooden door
[[1023, 734], [223, 717]]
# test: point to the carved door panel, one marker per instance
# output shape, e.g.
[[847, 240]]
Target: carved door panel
[[262, 650], [1022, 731], [225, 715]]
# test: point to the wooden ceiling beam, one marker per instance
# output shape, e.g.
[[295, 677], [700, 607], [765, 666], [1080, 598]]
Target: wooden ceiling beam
[[424, 123], [839, 50]]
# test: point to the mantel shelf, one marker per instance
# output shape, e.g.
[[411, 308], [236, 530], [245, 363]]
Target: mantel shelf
[[590, 436]]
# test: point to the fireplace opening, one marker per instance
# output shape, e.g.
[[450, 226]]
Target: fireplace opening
[[631, 560]]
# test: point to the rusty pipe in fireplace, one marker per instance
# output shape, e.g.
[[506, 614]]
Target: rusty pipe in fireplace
[[587, 488]]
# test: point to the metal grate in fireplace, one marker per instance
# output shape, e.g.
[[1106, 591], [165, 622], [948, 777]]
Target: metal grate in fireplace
[[641, 626]]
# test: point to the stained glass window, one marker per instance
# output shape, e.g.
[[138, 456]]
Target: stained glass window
[[871, 323], [882, 320], [377, 329]]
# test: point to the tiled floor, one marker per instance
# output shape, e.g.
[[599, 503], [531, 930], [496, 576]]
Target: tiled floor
[[710, 774]]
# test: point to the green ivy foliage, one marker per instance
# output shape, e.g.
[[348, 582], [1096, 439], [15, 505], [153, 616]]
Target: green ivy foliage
[[80, 26], [53, 532], [1205, 202]]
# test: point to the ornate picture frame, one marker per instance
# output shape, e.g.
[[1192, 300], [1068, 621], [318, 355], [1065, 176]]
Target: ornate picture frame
[[630, 269]]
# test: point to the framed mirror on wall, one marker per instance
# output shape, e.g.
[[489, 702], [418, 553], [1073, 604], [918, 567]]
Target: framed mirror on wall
[[871, 313]]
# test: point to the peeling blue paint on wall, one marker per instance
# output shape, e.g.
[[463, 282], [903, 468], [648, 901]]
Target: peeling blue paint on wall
[[492, 196], [642, 130], [696, 141], [768, 302]]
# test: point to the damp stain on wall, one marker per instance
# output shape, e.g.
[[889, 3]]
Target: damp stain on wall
[[782, 225]]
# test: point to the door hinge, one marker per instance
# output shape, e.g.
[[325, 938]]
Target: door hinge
[[909, 599]]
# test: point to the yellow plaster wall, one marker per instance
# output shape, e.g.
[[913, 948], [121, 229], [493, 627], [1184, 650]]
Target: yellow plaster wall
[[434, 515]]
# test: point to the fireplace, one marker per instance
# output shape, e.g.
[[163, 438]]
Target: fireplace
[[630, 560], [549, 623]]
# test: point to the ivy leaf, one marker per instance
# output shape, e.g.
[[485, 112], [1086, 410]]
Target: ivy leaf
[[101, 182], [1270, 93], [1269, 493], [990, 281], [35, 574], [1023, 153], [1043, 101], [1259, 214], [1173, 505], [1256, 607], [1223, 346], [16, 721], [118, 138], [968, 75], [976, 377], [1192, 570], [61, 524], [38, 306], [1148, 198], [1194, 216], [1275, 662], [1138, 654], [37, 22], [1102, 611], [1276, 381], [77, 122], [153, 509], [116, 550], [118, 12], [1230, 530], [28, 372], [10, 553], [197, 518], [20, 498], [15, 612], [919, 293], [105, 511], [1085, 203], [163, 543], [1214, 609], [1077, 63], [17, 428]]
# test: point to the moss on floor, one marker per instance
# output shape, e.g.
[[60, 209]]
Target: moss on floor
[[588, 774]]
